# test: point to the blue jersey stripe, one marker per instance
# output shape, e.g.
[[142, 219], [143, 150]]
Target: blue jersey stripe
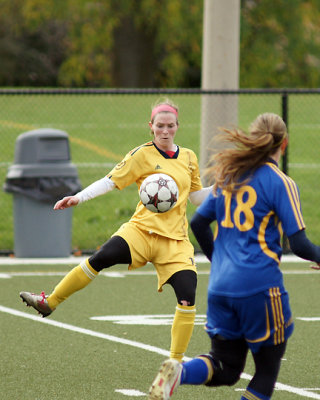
[[277, 313], [267, 332], [292, 194], [262, 238]]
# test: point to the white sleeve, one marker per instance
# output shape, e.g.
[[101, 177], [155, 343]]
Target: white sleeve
[[97, 188], [197, 197]]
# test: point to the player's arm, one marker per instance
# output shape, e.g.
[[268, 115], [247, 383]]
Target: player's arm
[[288, 208], [201, 229], [302, 247], [97, 188], [198, 196]]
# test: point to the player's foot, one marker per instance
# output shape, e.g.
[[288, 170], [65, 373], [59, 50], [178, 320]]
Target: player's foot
[[37, 301], [166, 381]]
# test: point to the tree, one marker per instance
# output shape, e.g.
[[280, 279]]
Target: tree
[[31, 53], [82, 43], [280, 43], [151, 43], [135, 43]]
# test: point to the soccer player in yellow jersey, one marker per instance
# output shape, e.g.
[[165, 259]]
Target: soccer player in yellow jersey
[[148, 237]]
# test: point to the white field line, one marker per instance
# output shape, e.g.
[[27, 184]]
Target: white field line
[[199, 258], [84, 331], [89, 332], [123, 274]]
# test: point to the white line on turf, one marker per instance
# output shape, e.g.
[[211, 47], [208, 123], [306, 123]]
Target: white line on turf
[[130, 392], [199, 258], [309, 319], [84, 331], [154, 349], [123, 274], [147, 319]]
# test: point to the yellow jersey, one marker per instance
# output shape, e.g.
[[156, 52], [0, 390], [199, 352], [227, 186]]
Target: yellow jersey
[[148, 159]]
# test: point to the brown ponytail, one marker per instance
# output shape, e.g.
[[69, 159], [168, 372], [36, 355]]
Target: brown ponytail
[[249, 151]]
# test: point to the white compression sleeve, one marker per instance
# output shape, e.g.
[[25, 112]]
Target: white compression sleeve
[[97, 188], [197, 197]]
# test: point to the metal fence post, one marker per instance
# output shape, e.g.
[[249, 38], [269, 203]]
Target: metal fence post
[[284, 105]]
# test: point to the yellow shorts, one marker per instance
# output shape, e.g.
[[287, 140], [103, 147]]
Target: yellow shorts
[[167, 255]]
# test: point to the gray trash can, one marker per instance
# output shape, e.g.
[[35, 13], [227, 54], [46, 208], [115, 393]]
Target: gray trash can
[[42, 173]]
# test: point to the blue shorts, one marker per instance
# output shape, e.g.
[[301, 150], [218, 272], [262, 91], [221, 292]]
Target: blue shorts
[[262, 319]]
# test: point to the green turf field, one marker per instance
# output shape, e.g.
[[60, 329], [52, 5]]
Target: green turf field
[[103, 128], [72, 356]]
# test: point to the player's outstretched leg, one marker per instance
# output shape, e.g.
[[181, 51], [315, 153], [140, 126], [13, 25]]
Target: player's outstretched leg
[[166, 381], [38, 302], [78, 278]]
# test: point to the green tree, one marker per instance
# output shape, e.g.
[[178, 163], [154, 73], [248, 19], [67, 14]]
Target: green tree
[[123, 43], [280, 43], [135, 43], [151, 43], [31, 50]]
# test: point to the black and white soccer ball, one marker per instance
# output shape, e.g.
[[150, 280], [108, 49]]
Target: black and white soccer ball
[[159, 193]]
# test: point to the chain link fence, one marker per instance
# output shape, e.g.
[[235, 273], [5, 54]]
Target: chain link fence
[[103, 125]]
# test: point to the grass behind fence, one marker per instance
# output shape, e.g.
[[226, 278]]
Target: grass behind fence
[[103, 128]]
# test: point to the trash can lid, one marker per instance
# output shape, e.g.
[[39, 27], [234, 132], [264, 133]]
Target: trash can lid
[[42, 146]]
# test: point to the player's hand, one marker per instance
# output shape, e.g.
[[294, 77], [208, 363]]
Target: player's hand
[[316, 266], [66, 202]]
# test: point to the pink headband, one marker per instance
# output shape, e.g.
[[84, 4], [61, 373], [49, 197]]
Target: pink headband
[[163, 107]]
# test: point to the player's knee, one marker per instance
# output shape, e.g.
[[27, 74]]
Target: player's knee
[[224, 374], [187, 298], [229, 357], [230, 376], [227, 376], [184, 284]]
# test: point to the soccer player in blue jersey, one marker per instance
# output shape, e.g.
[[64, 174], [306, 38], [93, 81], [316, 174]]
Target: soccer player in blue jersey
[[148, 237], [248, 307]]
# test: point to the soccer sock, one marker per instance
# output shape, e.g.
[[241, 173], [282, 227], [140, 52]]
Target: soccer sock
[[196, 372], [181, 330], [76, 279], [253, 395]]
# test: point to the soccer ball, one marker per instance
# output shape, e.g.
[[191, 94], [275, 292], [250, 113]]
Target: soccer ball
[[159, 193]]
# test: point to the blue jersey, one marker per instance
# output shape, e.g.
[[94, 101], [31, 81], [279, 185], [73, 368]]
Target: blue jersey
[[247, 247]]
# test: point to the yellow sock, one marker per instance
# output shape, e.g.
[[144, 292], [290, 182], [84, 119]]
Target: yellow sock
[[181, 331], [76, 279]]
